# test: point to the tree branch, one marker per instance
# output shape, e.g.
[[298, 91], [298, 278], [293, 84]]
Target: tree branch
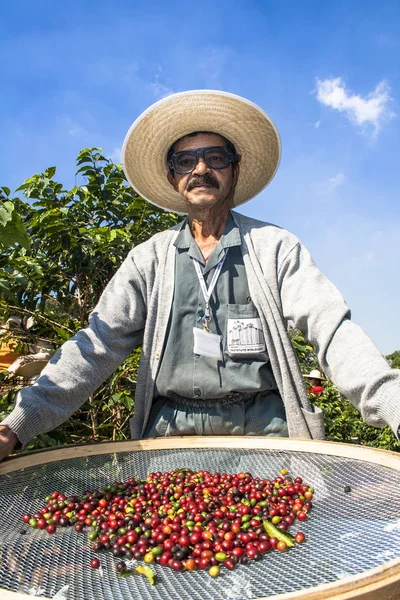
[[25, 311]]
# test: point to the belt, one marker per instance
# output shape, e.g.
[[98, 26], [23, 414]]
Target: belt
[[233, 398]]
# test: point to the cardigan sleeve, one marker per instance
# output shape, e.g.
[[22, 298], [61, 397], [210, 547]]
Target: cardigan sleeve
[[78, 368], [346, 354]]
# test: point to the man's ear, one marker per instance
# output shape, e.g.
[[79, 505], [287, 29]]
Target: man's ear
[[172, 180]]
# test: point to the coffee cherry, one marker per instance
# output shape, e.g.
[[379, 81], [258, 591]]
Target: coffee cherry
[[95, 563], [300, 537], [183, 519], [281, 546]]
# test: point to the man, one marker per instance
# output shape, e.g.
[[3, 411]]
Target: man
[[211, 298], [315, 380]]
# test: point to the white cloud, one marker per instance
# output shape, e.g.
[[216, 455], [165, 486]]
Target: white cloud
[[73, 127], [385, 40], [75, 131], [372, 110], [339, 179], [327, 188], [158, 89], [212, 65]]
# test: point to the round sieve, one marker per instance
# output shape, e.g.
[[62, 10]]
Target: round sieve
[[353, 539]]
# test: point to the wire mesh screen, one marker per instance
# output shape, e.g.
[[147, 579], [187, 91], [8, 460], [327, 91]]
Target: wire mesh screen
[[347, 533]]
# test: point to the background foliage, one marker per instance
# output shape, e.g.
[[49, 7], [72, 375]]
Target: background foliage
[[343, 422], [58, 250]]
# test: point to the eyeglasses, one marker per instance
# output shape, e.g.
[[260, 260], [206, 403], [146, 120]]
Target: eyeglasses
[[215, 157]]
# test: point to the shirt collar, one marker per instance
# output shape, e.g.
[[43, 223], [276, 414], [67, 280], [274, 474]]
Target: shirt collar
[[184, 238], [230, 237]]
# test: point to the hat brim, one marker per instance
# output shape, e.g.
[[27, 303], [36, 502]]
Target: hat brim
[[144, 153]]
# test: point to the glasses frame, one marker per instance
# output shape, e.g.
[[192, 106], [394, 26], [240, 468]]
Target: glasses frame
[[199, 153]]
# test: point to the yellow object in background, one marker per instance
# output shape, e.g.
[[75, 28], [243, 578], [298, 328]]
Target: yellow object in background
[[8, 354]]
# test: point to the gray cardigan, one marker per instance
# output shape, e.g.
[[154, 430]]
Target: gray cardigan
[[285, 285]]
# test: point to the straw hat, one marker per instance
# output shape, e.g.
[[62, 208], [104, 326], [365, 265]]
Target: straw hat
[[315, 374], [144, 153]]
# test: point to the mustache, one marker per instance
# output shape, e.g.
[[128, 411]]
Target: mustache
[[199, 180]]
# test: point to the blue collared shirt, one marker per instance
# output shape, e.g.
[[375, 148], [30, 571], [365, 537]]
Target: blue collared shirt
[[181, 371]]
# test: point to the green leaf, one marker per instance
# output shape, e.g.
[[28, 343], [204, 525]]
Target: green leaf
[[50, 172], [115, 398], [98, 157], [128, 402], [147, 572], [6, 210], [126, 573], [34, 266], [13, 231], [273, 531], [84, 154], [6, 291], [86, 170], [108, 168]]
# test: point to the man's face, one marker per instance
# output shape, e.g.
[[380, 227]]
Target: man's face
[[204, 187]]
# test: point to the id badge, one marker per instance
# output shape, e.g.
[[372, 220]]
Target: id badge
[[206, 343]]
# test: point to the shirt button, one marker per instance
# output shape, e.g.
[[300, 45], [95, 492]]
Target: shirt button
[[196, 392], [156, 355]]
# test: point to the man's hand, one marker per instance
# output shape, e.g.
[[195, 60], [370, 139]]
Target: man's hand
[[8, 440]]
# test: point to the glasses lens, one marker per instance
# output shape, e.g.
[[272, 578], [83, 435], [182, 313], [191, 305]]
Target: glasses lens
[[185, 161], [217, 158]]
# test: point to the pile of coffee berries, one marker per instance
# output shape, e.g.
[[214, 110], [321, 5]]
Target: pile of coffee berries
[[183, 519]]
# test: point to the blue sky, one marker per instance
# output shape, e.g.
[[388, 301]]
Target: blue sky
[[77, 74]]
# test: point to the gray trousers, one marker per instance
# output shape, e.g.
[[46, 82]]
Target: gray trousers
[[238, 414]]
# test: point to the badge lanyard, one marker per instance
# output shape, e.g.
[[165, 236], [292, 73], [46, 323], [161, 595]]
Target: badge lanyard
[[208, 291]]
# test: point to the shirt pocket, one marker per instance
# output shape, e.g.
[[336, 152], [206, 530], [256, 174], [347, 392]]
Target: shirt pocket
[[244, 337]]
